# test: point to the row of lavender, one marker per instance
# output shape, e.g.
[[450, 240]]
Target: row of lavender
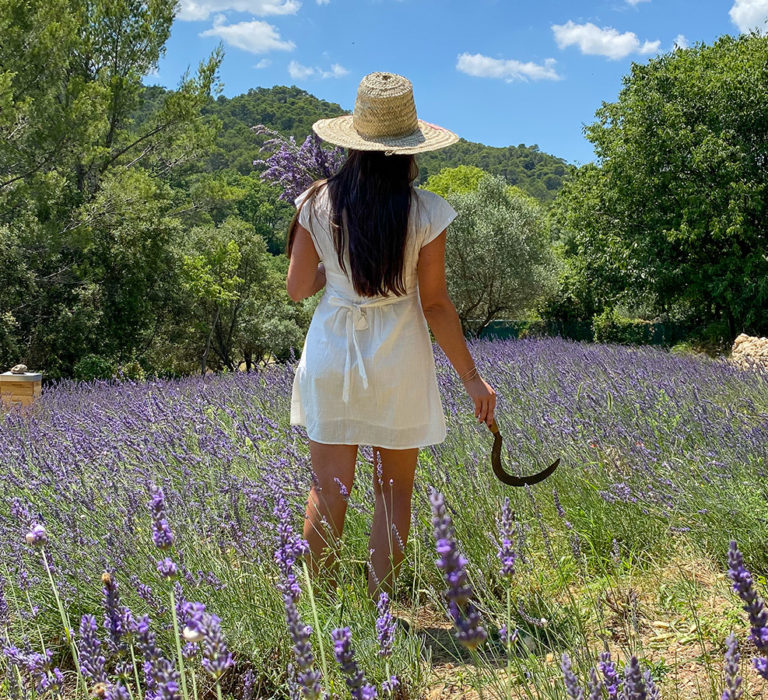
[[653, 445]]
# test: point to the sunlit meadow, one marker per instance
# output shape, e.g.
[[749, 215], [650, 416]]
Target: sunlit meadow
[[151, 548]]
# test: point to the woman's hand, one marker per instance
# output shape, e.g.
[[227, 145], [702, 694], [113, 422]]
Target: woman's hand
[[484, 398]]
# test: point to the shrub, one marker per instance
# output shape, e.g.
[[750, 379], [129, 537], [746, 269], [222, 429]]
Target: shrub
[[94, 367]]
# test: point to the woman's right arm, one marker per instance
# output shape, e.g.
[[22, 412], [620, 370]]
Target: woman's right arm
[[445, 325]]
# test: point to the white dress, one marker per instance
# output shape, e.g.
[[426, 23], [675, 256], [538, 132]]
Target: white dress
[[367, 372]]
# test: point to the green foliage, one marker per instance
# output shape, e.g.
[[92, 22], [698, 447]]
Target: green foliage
[[497, 254], [674, 215], [93, 367], [610, 327], [89, 217], [538, 174], [458, 180]]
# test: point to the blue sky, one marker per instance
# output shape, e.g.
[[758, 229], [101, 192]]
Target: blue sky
[[500, 72]]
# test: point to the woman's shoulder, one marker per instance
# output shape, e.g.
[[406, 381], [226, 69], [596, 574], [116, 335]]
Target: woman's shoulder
[[316, 193], [434, 210]]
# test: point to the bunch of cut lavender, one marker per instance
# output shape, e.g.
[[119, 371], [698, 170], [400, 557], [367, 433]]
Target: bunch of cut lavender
[[754, 606], [290, 548], [466, 619], [295, 167]]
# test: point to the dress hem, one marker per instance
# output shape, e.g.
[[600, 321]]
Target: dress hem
[[372, 444]]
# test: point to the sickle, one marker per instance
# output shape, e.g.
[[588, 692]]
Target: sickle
[[509, 479]]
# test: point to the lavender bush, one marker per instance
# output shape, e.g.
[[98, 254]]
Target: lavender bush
[[103, 481]]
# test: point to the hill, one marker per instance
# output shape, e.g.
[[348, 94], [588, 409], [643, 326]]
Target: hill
[[291, 111]]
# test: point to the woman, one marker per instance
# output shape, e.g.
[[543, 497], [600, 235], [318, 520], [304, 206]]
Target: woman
[[367, 374]]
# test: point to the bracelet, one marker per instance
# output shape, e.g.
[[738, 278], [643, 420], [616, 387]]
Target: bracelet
[[468, 375]]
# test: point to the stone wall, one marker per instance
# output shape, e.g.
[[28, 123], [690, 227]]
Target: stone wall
[[749, 351]]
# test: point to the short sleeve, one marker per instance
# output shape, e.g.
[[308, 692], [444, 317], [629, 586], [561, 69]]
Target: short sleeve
[[439, 214], [304, 211]]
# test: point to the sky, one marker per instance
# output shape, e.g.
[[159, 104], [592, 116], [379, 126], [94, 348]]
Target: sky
[[500, 72]]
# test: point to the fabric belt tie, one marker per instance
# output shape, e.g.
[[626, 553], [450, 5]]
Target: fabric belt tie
[[357, 321]]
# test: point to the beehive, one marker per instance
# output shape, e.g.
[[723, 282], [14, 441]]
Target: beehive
[[19, 389]]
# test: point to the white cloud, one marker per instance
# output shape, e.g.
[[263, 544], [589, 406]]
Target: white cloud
[[636, 2], [601, 42], [750, 14], [681, 42], [509, 70], [195, 10], [254, 36], [263, 63], [297, 71], [323, 2]]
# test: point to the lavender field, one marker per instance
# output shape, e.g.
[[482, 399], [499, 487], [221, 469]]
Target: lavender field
[[149, 545]]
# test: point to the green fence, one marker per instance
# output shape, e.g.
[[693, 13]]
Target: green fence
[[634, 332]]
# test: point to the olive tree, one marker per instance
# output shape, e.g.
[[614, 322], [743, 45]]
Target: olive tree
[[498, 259]]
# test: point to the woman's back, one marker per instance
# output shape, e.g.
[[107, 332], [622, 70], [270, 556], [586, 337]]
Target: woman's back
[[429, 215]]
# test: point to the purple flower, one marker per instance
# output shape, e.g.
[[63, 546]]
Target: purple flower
[[754, 605], [610, 676], [117, 692], [161, 531], [507, 554], [114, 615], [216, 658], [466, 619], [167, 568], [91, 660], [594, 686], [194, 625], [290, 548], [342, 650], [3, 605], [385, 626], [295, 168], [572, 687], [37, 536], [634, 686]]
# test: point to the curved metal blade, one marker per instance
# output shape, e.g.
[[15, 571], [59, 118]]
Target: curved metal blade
[[510, 479]]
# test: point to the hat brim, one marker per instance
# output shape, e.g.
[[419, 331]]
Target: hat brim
[[341, 132]]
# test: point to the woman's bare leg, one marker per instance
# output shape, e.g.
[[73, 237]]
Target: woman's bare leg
[[327, 505], [391, 515]]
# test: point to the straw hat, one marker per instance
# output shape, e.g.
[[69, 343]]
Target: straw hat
[[384, 119]]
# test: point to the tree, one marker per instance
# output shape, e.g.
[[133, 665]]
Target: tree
[[497, 254], [88, 217], [674, 214], [458, 180]]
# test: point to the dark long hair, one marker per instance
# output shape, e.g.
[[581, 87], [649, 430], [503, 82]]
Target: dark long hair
[[370, 203]]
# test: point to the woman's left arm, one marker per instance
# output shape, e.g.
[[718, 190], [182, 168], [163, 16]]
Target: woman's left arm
[[306, 274]]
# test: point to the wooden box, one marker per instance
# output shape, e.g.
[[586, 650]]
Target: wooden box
[[19, 389]]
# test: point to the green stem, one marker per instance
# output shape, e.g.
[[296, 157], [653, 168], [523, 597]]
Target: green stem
[[136, 673], [65, 622], [218, 690], [509, 643], [316, 620], [177, 639], [194, 684]]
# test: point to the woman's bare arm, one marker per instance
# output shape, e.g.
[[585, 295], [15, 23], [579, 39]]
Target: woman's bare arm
[[445, 325], [306, 274]]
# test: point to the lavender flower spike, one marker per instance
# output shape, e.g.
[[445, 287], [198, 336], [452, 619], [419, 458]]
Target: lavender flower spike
[[216, 658], [385, 626], [610, 676], [572, 687], [634, 685], [342, 650], [507, 554], [161, 531], [732, 678], [466, 619], [754, 605], [91, 661]]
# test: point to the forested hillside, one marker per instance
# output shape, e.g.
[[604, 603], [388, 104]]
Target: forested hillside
[[291, 111]]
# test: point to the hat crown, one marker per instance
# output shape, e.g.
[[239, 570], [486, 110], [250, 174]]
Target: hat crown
[[384, 107]]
